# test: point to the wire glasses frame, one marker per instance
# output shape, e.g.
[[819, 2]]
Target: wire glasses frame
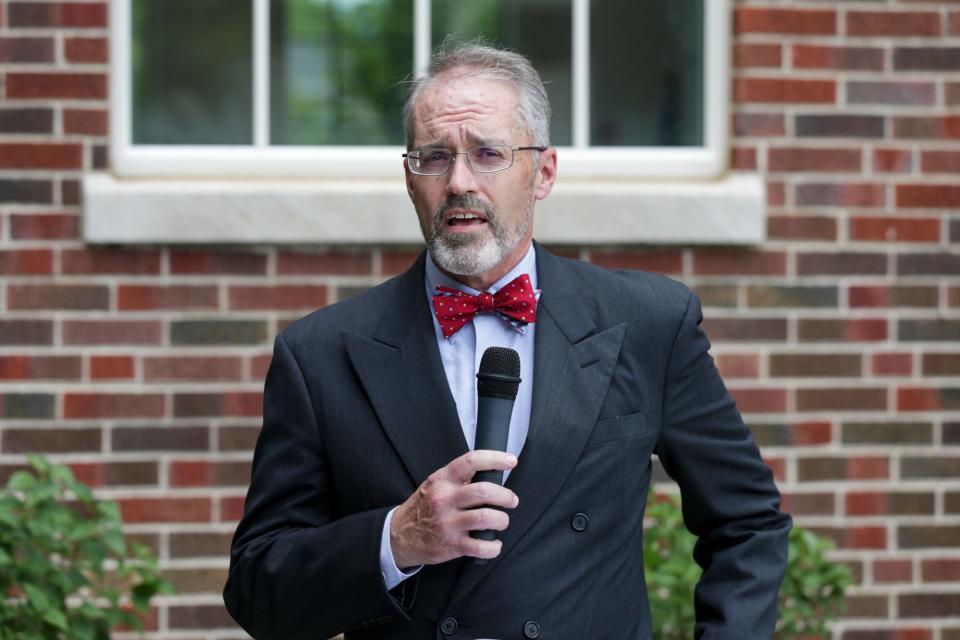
[[483, 159]]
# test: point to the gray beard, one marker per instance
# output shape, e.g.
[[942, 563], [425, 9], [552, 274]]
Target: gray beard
[[469, 254]]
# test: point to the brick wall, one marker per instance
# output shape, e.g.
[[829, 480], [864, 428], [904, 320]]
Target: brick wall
[[142, 366]]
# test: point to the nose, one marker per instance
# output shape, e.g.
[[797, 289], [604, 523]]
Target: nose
[[461, 178]]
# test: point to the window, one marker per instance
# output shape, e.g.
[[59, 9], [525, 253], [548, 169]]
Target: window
[[310, 88]]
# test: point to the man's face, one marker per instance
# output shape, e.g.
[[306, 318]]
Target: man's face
[[476, 224]]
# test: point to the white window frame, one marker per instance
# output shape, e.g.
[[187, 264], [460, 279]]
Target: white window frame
[[260, 160]]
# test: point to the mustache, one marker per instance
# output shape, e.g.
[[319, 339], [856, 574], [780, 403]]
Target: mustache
[[463, 201]]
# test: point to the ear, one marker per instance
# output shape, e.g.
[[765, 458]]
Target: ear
[[546, 173]]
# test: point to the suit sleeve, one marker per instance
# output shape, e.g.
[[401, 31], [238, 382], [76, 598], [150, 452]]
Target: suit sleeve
[[298, 569], [729, 498]]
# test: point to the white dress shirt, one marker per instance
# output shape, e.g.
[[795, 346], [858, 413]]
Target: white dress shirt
[[460, 354]]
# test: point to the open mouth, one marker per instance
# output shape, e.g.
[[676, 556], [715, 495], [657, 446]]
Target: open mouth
[[465, 219]]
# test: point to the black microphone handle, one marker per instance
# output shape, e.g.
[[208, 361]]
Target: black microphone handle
[[493, 426]]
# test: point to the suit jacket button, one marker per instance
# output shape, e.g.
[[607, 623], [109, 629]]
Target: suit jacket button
[[580, 522], [531, 630], [448, 626]]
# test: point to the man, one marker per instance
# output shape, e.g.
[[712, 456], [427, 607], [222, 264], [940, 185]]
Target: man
[[360, 505]]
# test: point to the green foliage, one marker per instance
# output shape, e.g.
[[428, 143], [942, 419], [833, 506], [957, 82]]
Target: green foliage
[[66, 571], [811, 595]]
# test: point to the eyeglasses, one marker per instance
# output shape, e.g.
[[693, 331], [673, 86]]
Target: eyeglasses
[[485, 159]]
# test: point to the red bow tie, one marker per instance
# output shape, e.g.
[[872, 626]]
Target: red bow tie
[[516, 302]]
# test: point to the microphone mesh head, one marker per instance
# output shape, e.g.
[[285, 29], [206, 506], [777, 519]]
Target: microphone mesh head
[[499, 373]]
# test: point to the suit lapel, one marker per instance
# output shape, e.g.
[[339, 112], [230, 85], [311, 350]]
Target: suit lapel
[[573, 367], [401, 372]]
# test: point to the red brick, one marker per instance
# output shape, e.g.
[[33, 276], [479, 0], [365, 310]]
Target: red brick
[[111, 367], [784, 21], [112, 405], [891, 364], [940, 161], [41, 156], [892, 160], [739, 365], [940, 570], [111, 332], [813, 159], [26, 262], [927, 399], [110, 261], [237, 403], [839, 58], [776, 194], [868, 468], [881, 503], [759, 124], [893, 23], [743, 158], [779, 468], [150, 297], [841, 195], [44, 226], [747, 55], [928, 196], [394, 261], [811, 433], [77, 297], [219, 262], [661, 261], [93, 122], [880, 296], [26, 50], [871, 537], [780, 90], [329, 262], [95, 50], [39, 367], [183, 368], [58, 14], [203, 473], [953, 22], [855, 330], [138, 510], [278, 297], [760, 400], [231, 508], [952, 93], [886, 571], [886, 229], [799, 227], [725, 262], [927, 128], [259, 366], [77, 86]]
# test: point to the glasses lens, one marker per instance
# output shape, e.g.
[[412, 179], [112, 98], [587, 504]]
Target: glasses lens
[[432, 162], [490, 158]]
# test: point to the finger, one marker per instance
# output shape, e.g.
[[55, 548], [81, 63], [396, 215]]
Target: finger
[[462, 469], [479, 548], [484, 493], [482, 519]]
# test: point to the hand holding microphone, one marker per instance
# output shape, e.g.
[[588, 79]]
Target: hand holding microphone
[[435, 524]]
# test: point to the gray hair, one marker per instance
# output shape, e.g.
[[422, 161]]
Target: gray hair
[[533, 106]]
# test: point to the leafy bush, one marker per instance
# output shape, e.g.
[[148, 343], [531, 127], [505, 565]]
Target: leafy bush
[[66, 570], [811, 595]]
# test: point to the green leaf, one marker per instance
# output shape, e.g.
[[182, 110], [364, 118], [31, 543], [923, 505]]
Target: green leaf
[[21, 481], [56, 618]]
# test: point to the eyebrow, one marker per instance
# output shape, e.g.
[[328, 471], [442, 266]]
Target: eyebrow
[[472, 138]]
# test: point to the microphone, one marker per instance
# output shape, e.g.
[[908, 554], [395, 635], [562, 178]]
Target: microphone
[[498, 382]]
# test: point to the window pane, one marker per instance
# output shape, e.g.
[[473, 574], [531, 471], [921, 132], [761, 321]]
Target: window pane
[[539, 29], [192, 72], [335, 70], [646, 72]]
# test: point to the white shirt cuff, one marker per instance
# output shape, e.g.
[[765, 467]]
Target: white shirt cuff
[[392, 575]]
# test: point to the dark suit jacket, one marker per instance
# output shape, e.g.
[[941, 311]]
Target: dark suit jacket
[[357, 413]]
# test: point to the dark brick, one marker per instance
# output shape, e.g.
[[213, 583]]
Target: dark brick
[[830, 330], [926, 128], [843, 468], [792, 296], [58, 14], [795, 227], [951, 502], [817, 365], [26, 50], [841, 263], [750, 329], [836, 126], [894, 93], [76, 297], [926, 58], [214, 332], [205, 616], [930, 467], [869, 399], [815, 194], [98, 474], [51, 440], [326, 262], [928, 264], [27, 406], [717, 295], [70, 192], [941, 364], [237, 438], [26, 191], [853, 433], [345, 292], [893, 296], [226, 263], [800, 504], [196, 580], [865, 606], [26, 332], [199, 544], [160, 438], [929, 605], [881, 503], [759, 124], [913, 330], [26, 120]]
